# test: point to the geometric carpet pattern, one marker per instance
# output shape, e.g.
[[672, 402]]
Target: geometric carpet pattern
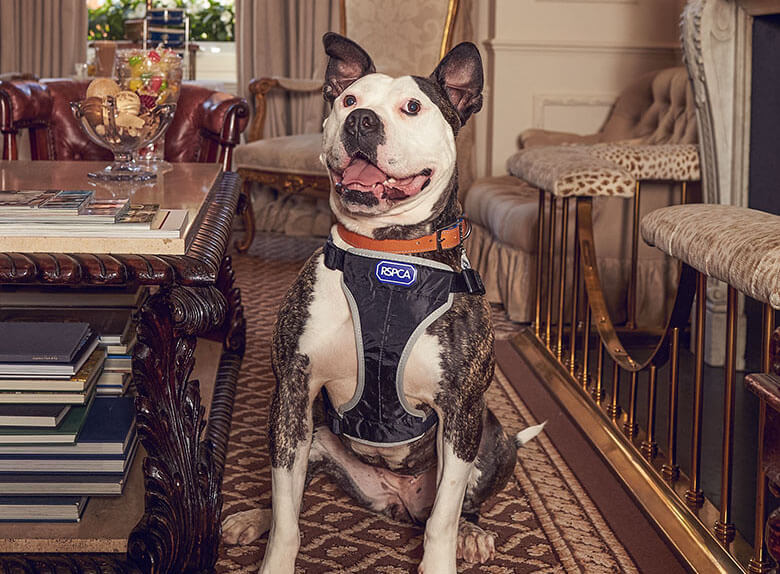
[[543, 520]]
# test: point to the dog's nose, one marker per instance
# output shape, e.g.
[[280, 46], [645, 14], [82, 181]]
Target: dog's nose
[[362, 122]]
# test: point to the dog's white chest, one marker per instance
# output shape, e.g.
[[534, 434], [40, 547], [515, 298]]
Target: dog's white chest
[[329, 341]]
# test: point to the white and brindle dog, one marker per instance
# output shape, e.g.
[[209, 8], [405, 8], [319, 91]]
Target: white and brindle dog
[[401, 344]]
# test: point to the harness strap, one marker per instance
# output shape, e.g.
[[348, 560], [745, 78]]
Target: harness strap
[[467, 281]]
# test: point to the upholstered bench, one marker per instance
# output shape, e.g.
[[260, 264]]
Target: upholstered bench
[[736, 245]]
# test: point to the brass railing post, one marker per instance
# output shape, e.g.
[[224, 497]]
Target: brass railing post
[[550, 260], [613, 409], [575, 311], [724, 528], [649, 447], [586, 344], [539, 264], [759, 564], [670, 470], [632, 286], [598, 387], [629, 427], [694, 496], [562, 277]]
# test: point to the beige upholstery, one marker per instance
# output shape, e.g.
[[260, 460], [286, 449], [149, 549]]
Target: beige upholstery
[[670, 162], [569, 171], [658, 110], [298, 154], [412, 29], [737, 245]]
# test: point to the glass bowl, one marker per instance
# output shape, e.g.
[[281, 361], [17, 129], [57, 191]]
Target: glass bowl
[[155, 76], [110, 126]]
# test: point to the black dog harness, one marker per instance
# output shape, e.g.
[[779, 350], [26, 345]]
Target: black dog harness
[[393, 298]]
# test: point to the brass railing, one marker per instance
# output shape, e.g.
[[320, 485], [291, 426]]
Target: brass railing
[[703, 534]]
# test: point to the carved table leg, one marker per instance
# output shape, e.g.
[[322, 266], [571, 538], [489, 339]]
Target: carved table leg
[[179, 531], [247, 212]]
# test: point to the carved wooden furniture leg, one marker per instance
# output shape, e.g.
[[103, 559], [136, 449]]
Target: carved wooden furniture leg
[[247, 213], [180, 529]]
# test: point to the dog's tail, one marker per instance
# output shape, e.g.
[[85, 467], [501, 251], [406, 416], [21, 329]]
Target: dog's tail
[[528, 434]]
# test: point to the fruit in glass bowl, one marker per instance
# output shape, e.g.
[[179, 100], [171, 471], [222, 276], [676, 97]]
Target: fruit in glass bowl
[[117, 120]]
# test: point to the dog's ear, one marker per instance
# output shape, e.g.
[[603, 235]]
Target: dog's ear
[[347, 62], [460, 76]]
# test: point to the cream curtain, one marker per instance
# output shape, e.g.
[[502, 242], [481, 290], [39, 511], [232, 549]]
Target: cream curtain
[[284, 38], [43, 37]]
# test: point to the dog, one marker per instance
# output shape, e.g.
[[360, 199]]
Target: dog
[[391, 322]]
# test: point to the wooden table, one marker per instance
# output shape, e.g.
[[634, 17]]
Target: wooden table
[[179, 529]]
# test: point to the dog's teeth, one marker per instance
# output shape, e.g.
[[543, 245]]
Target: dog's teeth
[[390, 180]]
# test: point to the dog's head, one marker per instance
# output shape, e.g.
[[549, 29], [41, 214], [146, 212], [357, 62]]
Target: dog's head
[[389, 143]]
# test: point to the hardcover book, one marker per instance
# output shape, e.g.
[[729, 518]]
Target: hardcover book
[[114, 326], [42, 508], [62, 464], [32, 415], [66, 432], [24, 296], [108, 430], [87, 484], [66, 202], [44, 364], [16, 201], [89, 372], [169, 223], [28, 342]]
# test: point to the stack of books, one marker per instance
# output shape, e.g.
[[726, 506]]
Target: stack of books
[[110, 311], [76, 213], [59, 443]]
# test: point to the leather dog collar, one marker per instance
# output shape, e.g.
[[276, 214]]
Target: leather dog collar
[[439, 240]]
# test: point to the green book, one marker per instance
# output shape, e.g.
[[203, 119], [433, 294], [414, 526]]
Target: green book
[[65, 433]]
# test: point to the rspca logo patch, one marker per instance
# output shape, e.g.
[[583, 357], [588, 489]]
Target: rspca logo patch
[[396, 273]]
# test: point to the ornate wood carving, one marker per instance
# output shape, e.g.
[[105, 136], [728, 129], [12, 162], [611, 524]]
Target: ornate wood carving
[[260, 89], [199, 266], [317, 186], [179, 531], [247, 213]]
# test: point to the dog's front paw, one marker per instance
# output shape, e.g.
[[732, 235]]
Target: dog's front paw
[[474, 544], [247, 526]]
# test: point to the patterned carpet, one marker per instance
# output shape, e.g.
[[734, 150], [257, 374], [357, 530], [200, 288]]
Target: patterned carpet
[[544, 520]]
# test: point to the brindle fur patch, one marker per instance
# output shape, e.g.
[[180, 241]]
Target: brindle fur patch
[[288, 416], [495, 462], [467, 361]]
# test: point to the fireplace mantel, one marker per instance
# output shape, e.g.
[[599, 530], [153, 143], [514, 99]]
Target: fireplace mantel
[[760, 7]]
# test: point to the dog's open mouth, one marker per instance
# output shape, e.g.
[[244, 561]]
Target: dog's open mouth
[[366, 178]]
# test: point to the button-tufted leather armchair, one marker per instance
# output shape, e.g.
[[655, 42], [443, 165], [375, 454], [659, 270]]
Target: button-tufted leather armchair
[[206, 127]]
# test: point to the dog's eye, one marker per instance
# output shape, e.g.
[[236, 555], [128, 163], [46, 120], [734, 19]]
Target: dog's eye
[[349, 101], [411, 108]]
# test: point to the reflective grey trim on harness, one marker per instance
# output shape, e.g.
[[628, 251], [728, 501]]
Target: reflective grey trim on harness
[[393, 299]]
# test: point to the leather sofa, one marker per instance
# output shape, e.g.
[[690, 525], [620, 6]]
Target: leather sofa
[[206, 127], [656, 110]]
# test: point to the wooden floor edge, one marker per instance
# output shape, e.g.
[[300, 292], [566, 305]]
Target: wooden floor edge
[[691, 541]]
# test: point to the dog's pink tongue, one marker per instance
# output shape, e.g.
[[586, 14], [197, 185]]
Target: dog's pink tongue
[[363, 172]]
